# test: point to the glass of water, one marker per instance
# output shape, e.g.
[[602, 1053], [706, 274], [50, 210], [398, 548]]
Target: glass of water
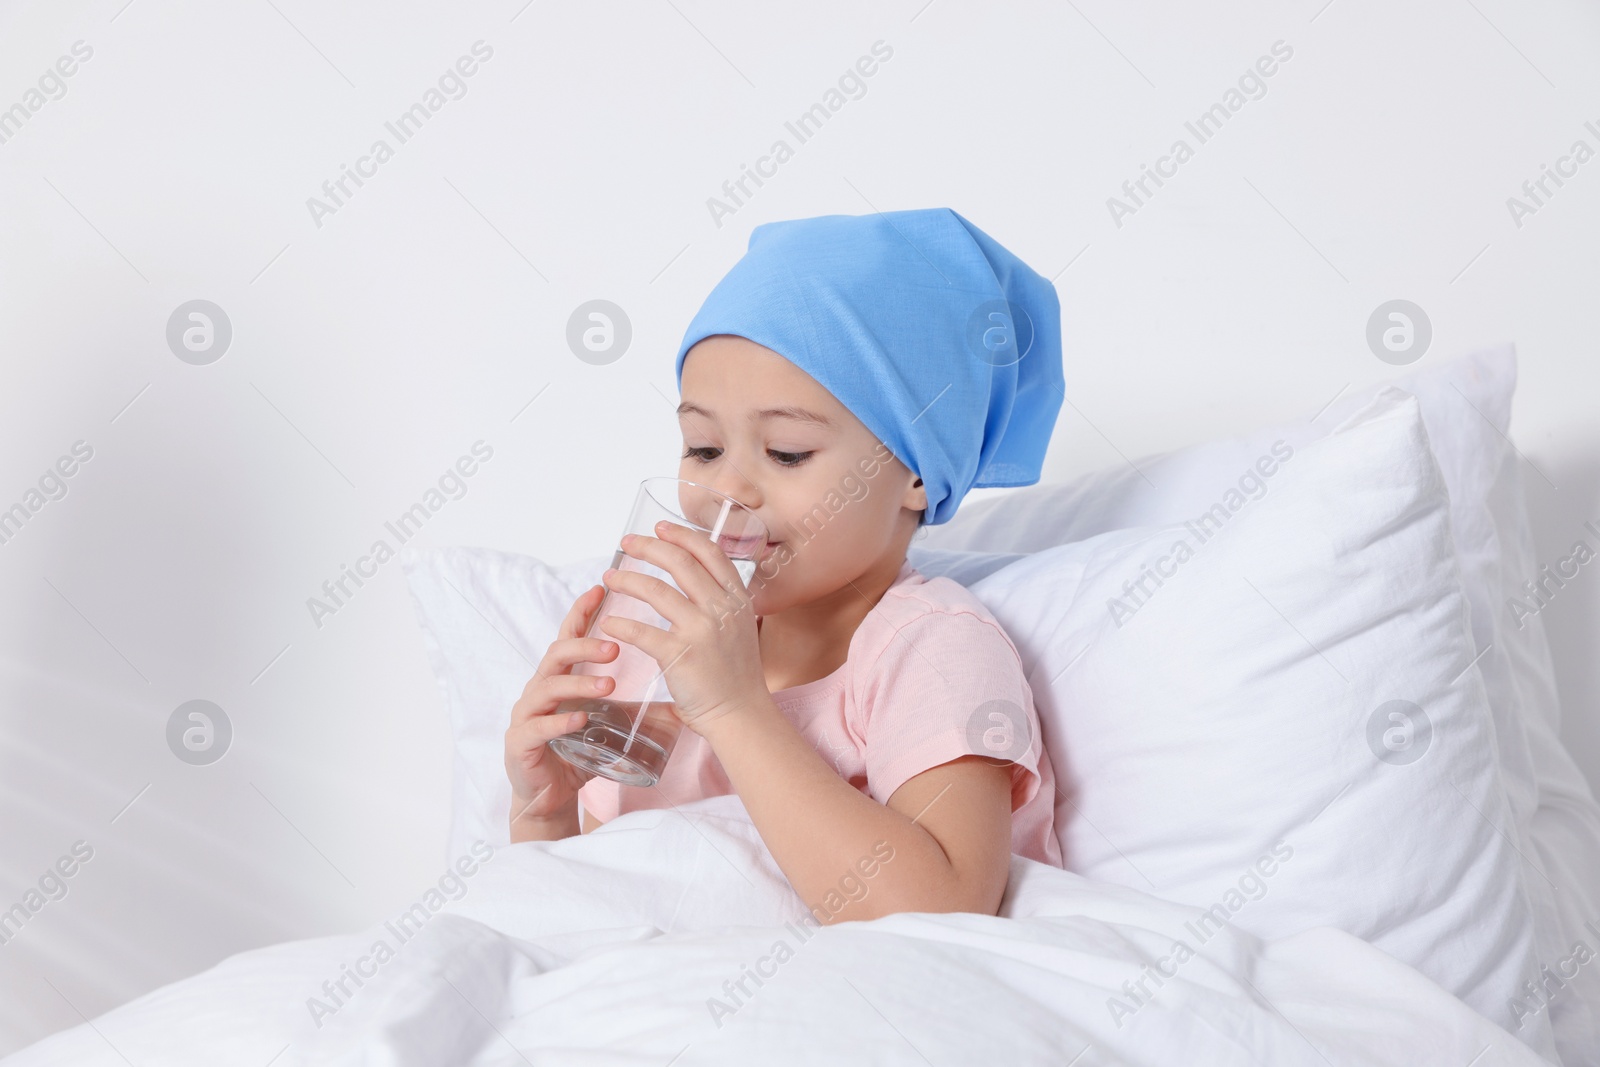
[[630, 732]]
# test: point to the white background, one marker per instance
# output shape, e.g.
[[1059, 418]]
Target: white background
[[428, 311]]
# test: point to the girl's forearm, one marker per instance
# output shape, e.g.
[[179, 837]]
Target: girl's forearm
[[825, 834]]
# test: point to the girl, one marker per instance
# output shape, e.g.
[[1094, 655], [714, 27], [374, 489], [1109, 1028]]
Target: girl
[[848, 381]]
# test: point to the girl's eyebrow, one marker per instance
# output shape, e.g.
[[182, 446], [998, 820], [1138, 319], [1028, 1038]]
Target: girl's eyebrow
[[797, 414]]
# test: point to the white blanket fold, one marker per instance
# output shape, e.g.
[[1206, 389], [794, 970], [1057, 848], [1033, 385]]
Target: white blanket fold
[[671, 937]]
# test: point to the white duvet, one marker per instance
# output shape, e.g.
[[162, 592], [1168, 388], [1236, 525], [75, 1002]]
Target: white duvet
[[671, 937]]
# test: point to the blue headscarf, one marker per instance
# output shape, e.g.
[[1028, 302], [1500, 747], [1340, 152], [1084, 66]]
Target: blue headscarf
[[945, 345]]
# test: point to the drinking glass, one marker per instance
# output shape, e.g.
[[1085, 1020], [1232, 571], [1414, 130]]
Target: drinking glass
[[630, 732]]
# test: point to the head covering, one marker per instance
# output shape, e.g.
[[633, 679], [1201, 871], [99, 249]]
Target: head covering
[[945, 345]]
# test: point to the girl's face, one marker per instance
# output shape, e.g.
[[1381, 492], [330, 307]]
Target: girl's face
[[836, 502]]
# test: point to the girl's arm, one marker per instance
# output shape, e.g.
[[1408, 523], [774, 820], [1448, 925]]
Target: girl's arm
[[942, 843]]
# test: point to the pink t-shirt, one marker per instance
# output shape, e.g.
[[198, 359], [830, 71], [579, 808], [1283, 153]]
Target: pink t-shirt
[[930, 676]]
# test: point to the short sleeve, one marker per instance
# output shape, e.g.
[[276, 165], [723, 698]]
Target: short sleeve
[[949, 684]]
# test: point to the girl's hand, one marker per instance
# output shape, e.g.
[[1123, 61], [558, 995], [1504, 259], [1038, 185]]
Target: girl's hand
[[545, 786], [712, 655]]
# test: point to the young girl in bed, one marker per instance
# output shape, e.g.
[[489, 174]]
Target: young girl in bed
[[848, 381]]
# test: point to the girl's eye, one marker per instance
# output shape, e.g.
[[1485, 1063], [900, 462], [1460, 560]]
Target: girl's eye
[[783, 459]]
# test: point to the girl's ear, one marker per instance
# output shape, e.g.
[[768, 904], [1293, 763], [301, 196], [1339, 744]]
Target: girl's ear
[[917, 501]]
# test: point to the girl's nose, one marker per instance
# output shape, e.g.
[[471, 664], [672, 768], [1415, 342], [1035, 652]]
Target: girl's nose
[[729, 482], [745, 492]]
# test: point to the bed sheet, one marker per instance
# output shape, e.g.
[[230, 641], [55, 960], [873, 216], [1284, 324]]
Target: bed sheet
[[671, 937]]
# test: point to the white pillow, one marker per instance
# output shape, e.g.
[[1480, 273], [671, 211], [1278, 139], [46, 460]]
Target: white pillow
[[1237, 708], [1466, 406], [487, 618]]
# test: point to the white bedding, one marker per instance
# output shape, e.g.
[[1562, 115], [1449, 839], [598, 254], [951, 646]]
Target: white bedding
[[609, 949]]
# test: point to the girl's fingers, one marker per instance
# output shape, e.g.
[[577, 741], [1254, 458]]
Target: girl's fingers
[[647, 638], [534, 733], [544, 690], [577, 619], [563, 654], [668, 602], [556, 688], [714, 579], [576, 622]]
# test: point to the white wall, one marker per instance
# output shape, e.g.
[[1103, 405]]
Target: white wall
[[424, 314]]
